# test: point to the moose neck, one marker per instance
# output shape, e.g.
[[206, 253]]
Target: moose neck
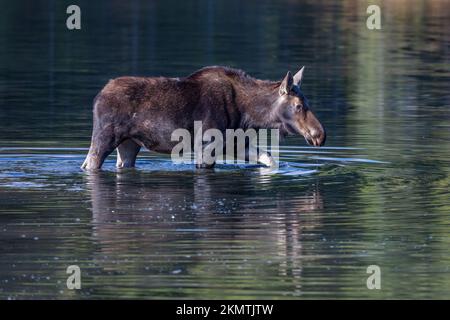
[[256, 103]]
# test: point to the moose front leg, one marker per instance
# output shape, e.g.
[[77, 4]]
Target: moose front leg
[[266, 159], [205, 154], [256, 154], [205, 158]]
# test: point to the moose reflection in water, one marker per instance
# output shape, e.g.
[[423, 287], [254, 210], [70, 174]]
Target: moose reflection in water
[[213, 225]]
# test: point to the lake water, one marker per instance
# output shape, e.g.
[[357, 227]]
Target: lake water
[[376, 194]]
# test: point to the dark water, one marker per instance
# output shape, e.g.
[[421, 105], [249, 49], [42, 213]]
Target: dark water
[[377, 194]]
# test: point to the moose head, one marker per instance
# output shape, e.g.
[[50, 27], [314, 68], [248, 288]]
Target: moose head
[[294, 112]]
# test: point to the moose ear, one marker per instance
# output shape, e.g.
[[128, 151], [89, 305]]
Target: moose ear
[[286, 84], [298, 76]]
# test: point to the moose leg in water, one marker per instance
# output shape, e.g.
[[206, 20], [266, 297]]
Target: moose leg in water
[[265, 158], [258, 155], [202, 161], [102, 144], [127, 152], [255, 154]]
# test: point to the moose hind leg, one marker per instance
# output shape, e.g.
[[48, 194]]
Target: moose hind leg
[[102, 144], [127, 152]]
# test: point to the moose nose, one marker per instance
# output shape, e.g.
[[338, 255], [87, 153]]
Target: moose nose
[[318, 137]]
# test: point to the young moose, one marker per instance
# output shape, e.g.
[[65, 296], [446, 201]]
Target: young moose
[[134, 112]]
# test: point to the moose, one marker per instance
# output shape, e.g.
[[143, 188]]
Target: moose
[[134, 112]]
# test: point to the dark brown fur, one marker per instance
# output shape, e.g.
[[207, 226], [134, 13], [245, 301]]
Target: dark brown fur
[[131, 112]]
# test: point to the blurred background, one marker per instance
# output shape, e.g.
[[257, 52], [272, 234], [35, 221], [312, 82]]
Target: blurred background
[[376, 194]]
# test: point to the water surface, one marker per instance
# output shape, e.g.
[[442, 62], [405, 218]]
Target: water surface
[[376, 194]]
